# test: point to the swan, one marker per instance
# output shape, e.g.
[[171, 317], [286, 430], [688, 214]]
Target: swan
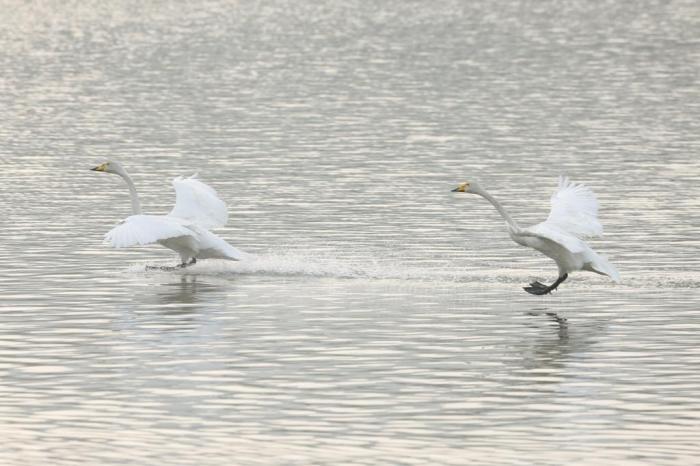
[[185, 229], [572, 219]]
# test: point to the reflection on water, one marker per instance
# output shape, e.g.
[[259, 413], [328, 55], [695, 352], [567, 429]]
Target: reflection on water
[[552, 349], [184, 294], [380, 319]]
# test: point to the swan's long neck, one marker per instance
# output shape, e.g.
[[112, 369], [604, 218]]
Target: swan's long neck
[[501, 210], [135, 204]]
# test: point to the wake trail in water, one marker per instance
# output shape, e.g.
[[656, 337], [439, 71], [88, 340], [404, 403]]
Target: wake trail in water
[[297, 264]]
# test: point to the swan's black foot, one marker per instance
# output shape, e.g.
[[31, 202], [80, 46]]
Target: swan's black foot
[[187, 264], [538, 288], [170, 268]]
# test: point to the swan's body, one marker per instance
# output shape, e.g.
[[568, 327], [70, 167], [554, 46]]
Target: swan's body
[[572, 219], [185, 229]]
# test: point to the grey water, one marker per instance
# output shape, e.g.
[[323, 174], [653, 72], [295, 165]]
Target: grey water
[[381, 319]]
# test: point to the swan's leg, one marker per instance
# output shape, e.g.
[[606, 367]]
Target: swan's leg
[[540, 288], [536, 288], [559, 281]]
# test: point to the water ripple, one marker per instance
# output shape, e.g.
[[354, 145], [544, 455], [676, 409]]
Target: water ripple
[[379, 319]]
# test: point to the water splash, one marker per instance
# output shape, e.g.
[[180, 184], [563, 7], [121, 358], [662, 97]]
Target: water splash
[[292, 263], [295, 263], [300, 264]]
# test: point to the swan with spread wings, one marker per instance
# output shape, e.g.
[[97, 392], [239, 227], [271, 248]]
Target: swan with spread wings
[[185, 229], [573, 218]]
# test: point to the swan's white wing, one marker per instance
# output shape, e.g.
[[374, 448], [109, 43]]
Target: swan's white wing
[[198, 203], [549, 231], [145, 229], [575, 210]]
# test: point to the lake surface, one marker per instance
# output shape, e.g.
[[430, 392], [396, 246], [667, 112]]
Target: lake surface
[[381, 319]]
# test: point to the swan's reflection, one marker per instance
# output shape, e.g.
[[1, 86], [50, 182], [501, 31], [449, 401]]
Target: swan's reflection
[[555, 340], [186, 295], [171, 302], [178, 295], [182, 292], [562, 324]]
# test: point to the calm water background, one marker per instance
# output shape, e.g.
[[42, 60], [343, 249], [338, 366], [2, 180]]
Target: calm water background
[[381, 320]]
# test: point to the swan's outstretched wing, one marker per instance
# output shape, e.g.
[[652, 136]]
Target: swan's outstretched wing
[[550, 232], [574, 210], [145, 229], [198, 203]]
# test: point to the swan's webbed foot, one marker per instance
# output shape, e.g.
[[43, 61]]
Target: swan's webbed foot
[[187, 264], [170, 268], [539, 288]]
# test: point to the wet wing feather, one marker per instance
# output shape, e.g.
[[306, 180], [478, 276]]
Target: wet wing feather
[[574, 210], [145, 229], [198, 203]]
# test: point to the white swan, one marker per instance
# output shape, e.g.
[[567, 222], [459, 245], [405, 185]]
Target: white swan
[[573, 218], [185, 229]]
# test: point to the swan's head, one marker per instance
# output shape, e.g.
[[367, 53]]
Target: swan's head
[[467, 187], [109, 167]]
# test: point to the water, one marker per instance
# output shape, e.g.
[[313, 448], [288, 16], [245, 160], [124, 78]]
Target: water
[[381, 319]]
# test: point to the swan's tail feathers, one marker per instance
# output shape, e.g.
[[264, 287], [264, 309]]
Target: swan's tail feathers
[[233, 253], [214, 247], [602, 266]]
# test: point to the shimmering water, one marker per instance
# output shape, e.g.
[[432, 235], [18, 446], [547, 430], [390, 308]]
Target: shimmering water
[[381, 319]]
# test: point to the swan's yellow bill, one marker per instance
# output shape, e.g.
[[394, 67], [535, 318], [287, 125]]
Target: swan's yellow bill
[[462, 188]]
